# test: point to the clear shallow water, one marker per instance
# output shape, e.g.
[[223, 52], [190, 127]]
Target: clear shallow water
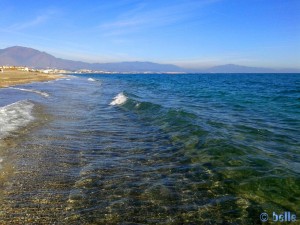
[[151, 149]]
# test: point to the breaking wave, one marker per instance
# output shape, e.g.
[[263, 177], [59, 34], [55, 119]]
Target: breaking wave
[[44, 94], [119, 99], [15, 116]]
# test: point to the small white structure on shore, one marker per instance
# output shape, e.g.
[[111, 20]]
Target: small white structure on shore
[[46, 71]]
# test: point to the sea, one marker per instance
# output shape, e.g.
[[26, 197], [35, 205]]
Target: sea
[[151, 149]]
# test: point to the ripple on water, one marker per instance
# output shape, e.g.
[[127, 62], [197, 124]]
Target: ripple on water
[[158, 155]]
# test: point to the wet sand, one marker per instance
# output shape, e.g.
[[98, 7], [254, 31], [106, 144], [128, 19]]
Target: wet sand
[[15, 77]]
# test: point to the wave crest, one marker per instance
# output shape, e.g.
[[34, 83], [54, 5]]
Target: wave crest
[[15, 116], [120, 99], [44, 94]]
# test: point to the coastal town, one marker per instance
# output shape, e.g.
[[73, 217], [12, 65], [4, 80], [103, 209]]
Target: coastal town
[[80, 71], [28, 69], [16, 75], [49, 70]]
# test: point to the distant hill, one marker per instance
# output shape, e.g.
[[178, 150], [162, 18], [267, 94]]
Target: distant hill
[[136, 67], [232, 68], [22, 56]]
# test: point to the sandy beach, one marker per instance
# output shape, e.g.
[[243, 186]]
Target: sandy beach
[[15, 77]]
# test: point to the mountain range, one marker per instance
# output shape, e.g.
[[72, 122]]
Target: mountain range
[[23, 56]]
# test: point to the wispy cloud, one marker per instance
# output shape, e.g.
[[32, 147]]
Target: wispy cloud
[[38, 20], [145, 16]]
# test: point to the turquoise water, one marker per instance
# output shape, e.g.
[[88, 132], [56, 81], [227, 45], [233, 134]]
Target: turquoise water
[[151, 149]]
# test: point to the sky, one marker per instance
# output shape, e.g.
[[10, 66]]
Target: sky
[[188, 33]]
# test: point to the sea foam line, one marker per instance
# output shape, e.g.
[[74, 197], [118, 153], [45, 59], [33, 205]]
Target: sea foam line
[[119, 99], [44, 94], [15, 116]]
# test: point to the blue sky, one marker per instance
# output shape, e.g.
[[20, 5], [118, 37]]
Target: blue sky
[[189, 33]]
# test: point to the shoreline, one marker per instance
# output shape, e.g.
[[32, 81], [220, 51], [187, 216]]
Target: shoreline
[[10, 78]]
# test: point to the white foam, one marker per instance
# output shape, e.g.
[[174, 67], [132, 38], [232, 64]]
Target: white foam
[[44, 94], [70, 76], [15, 116], [91, 79], [119, 99]]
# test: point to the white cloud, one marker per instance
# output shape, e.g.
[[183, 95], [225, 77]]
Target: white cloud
[[21, 26], [38, 20], [146, 16]]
